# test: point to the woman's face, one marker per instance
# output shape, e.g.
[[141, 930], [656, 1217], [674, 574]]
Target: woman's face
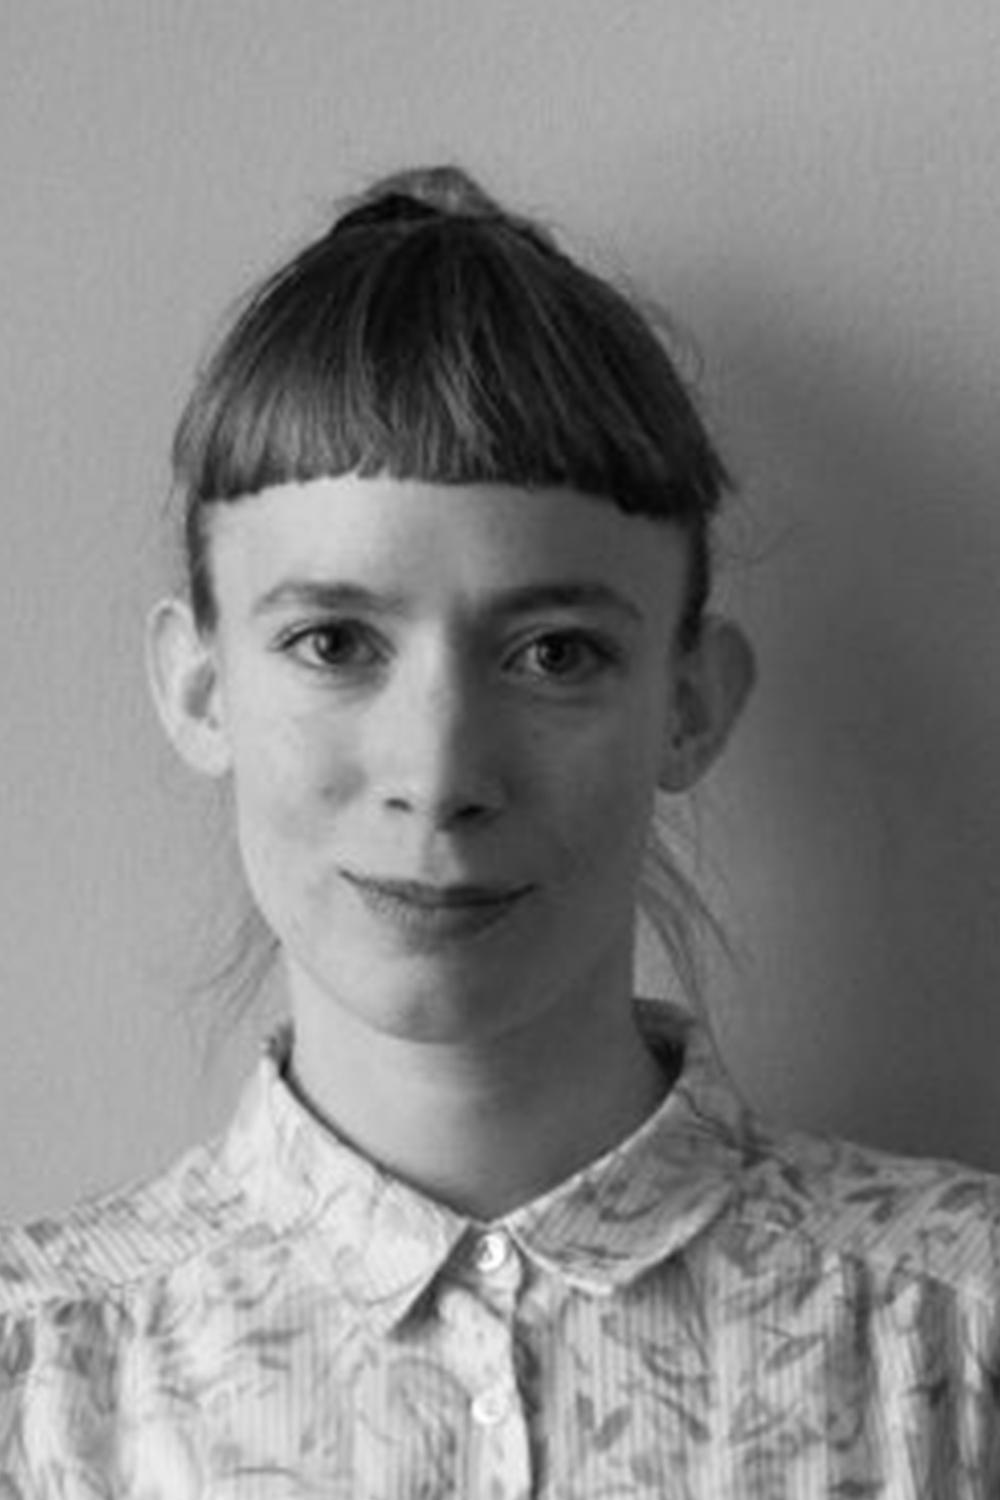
[[444, 709]]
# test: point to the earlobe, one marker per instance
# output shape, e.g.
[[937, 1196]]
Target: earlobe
[[183, 672], [712, 682]]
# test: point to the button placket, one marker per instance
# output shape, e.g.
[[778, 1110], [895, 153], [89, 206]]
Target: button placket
[[474, 1336], [500, 1436]]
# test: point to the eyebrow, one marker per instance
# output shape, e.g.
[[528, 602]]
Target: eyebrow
[[333, 596]]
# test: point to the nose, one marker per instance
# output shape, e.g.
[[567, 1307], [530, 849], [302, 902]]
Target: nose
[[438, 756]]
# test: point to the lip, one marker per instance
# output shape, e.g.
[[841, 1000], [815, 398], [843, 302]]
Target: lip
[[423, 894], [427, 913]]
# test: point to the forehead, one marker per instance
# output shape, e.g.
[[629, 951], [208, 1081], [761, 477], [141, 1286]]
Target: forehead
[[430, 543]]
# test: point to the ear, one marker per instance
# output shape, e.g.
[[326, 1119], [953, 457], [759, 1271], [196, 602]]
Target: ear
[[712, 681], [183, 670]]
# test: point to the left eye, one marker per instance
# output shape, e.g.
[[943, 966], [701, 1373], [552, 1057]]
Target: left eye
[[564, 656]]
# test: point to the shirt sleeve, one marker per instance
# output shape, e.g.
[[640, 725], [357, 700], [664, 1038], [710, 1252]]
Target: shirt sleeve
[[17, 1351]]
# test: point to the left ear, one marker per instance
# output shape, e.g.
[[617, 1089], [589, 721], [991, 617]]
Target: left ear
[[711, 683]]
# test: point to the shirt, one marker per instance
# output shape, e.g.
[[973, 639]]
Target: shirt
[[713, 1309]]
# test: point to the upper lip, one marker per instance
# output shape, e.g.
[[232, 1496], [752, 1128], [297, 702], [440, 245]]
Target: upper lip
[[424, 893]]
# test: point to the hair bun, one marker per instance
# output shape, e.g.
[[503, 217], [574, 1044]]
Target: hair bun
[[418, 194]]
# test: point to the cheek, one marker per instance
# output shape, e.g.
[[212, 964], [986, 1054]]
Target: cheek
[[291, 777], [605, 789]]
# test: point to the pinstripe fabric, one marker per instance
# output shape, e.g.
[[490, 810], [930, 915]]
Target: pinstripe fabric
[[712, 1310]]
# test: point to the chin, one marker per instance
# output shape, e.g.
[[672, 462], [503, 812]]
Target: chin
[[427, 1015], [420, 999]]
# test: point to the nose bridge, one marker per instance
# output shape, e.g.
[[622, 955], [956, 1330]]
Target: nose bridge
[[439, 751]]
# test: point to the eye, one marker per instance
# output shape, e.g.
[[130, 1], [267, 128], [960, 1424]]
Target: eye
[[571, 656], [333, 646]]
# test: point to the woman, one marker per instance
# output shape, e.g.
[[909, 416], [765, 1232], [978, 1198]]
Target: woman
[[483, 1225]]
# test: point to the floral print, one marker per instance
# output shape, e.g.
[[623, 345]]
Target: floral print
[[711, 1310]]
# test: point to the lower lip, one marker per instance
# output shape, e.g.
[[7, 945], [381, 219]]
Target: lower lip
[[434, 924]]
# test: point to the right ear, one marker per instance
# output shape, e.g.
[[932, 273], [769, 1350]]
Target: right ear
[[184, 678]]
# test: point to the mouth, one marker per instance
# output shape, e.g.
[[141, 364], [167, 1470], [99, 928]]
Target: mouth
[[430, 912], [419, 893]]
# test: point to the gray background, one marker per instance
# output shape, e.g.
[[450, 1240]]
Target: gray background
[[813, 189]]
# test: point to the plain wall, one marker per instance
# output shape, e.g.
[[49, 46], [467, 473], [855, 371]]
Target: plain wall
[[812, 189]]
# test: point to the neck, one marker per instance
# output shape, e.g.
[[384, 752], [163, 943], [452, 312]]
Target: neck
[[482, 1125]]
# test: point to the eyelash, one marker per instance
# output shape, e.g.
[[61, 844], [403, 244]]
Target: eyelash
[[293, 643], [601, 653]]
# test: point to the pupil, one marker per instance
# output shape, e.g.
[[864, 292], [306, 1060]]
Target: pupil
[[333, 643], [557, 653]]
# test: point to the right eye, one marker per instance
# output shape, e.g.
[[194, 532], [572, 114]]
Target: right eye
[[334, 646]]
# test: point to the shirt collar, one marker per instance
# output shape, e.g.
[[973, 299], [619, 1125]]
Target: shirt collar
[[652, 1194], [604, 1226]]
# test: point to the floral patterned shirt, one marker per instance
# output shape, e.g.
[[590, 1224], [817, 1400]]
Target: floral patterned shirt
[[711, 1310]]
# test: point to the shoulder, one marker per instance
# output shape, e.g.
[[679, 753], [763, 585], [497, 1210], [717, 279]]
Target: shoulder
[[897, 1217], [82, 1295], [102, 1248]]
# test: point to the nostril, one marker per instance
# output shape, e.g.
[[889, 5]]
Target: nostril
[[443, 814], [473, 812]]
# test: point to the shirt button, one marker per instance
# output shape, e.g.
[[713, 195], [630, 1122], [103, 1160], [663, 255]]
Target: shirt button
[[491, 1406], [491, 1252]]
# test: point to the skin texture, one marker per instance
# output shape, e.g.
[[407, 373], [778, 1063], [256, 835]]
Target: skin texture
[[444, 728]]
